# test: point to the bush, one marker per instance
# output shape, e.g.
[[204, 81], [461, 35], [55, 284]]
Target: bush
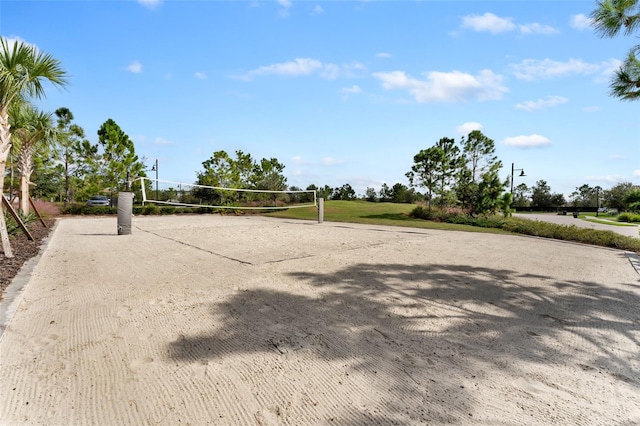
[[629, 217], [12, 225], [536, 228], [150, 209], [81, 209], [572, 233]]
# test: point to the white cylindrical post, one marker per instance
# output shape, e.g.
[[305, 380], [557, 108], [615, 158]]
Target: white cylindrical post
[[320, 210], [125, 212]]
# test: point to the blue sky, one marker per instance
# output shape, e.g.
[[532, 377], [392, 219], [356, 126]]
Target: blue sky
[[343, 91]]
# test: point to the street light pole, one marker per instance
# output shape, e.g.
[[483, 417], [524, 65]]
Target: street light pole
[[155, 168], [513, 170]]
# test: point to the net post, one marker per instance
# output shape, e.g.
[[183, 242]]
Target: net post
[[125, 209], [320, 210], [144, 192]]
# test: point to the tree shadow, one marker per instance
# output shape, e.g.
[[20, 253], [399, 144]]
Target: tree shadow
[[402, 326]]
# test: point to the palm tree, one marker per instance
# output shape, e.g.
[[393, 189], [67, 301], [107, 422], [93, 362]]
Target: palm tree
[[31, 129], [609, 19], [23, 70]]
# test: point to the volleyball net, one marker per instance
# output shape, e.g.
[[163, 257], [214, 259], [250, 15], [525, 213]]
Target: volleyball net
[[193, 195]]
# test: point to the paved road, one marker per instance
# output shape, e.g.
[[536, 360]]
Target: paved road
[[629, 231]]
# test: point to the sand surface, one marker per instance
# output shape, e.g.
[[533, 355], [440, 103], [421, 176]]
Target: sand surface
[[261, 321]]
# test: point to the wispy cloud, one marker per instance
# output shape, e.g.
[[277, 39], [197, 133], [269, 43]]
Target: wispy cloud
[[162, 141], [352, 90], [488, 23], [494, 24], [454, 86], [383, 55], [533, 69], [200, 75], [580, 22], [135, 67], [535, 28], [304, 67], [636, 173], [331, 161], [548, 102], [150, 3], [317, 10], [592, 108], [527, 141], [616, 157], [466, 128], [286, 5], [610, 179]]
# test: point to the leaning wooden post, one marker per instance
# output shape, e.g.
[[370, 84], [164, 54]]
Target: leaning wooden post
[[16, 217], [35, 209], [6, 246]]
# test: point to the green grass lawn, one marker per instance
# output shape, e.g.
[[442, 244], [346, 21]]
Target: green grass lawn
[[610, 220], [399, 215], [359, 211]]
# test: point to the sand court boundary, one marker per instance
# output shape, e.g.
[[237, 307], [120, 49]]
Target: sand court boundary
[[260, 321]]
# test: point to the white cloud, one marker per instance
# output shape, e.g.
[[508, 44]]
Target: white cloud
[[495, 25], [535, 28], [351, 90], [11, 41], [331, 161], [317, 10], [488, 22], [532, 69], [305, 66], [162, 141], [200, 75], [591, 109], [466, 128], [616, 157], [636, 173], [580, 22], [286, 5], [548, 102], [454, 86], [297, 159], [135, 67], [608, 69], [530, 141], [383, 55], [150, 3], [297, 67], [610, 179]]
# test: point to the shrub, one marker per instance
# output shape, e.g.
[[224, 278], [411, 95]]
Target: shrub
[[628, 217], [12, 225], [150, 209], [81, 209]]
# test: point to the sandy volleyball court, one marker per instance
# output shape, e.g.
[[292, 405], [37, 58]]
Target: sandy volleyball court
[[261, 321]]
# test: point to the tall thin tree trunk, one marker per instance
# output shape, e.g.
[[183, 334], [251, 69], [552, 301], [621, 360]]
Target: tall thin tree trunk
[[25, 167], [5, 146]]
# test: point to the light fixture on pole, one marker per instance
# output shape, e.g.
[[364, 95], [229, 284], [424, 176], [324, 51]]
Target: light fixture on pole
[[155, 169], [513, 170]]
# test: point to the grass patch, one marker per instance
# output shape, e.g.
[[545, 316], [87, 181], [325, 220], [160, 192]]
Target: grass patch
[[612, 221], [410, 215]]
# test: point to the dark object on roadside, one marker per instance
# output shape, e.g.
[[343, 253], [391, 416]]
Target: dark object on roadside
[[98, 201]]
